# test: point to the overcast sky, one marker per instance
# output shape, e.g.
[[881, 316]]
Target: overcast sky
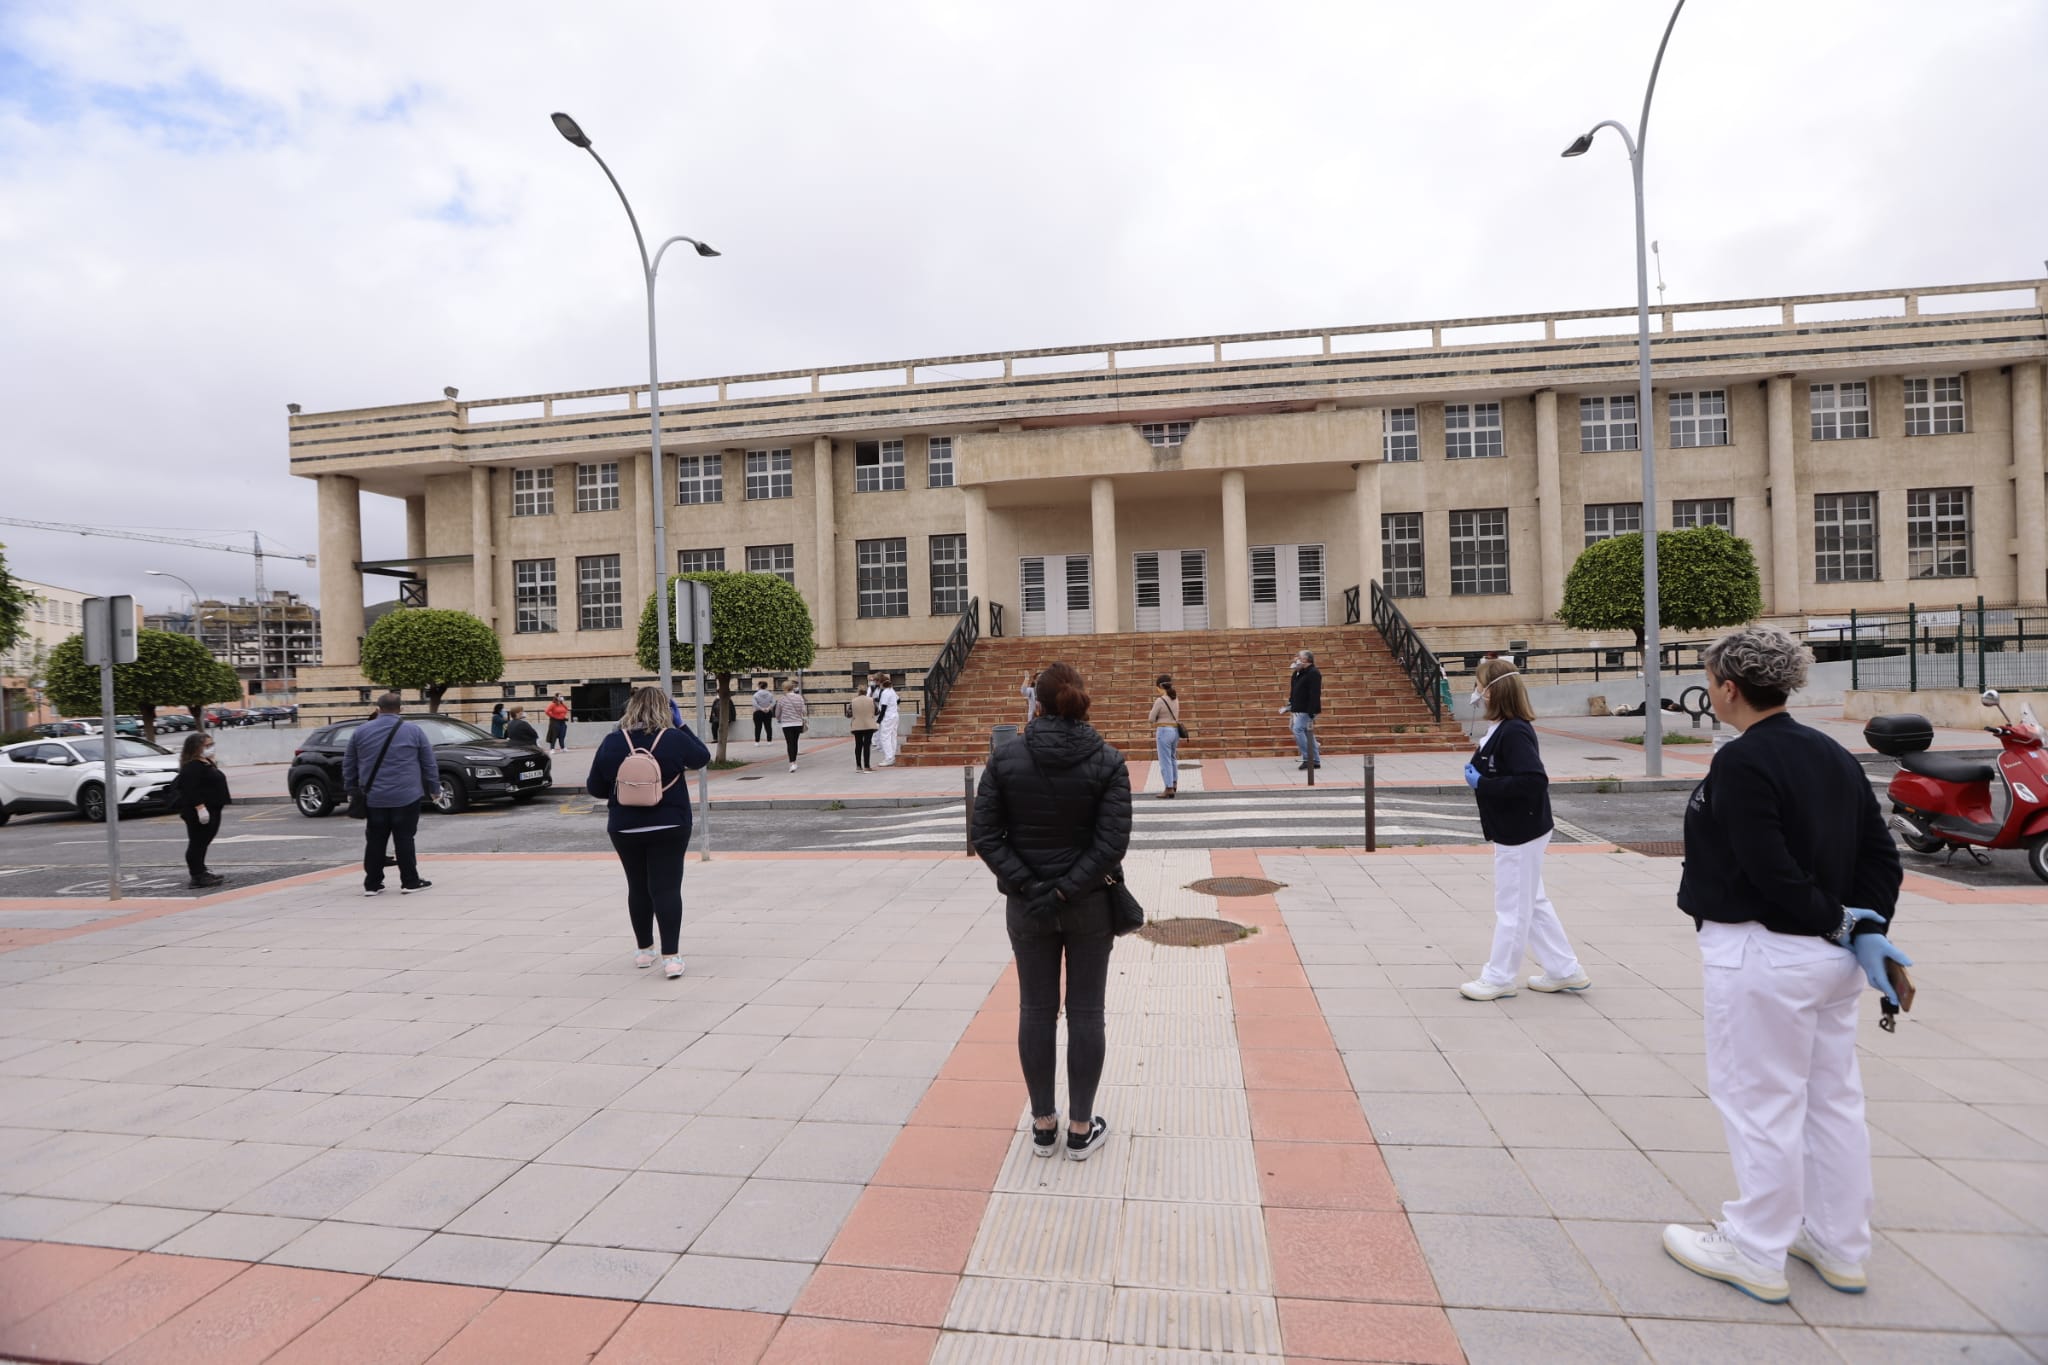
[[210, 210]]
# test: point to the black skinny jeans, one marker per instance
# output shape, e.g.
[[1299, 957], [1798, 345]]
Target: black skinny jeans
[[764, 725], [1039, 946], [653, 863], [388, 825], [864, 748], [789, 737], [198, 838]]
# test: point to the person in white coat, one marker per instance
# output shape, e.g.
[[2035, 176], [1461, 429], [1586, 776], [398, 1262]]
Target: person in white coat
[[886, 738], [1791, 879]]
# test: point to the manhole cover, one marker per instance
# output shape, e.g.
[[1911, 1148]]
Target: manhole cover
[[1602, 758], [1193, 933], [1235, 886], [755, 778], [1656, 848]]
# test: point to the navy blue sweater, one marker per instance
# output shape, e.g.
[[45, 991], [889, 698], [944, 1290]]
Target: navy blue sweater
[[677, 751], [1514, 790]]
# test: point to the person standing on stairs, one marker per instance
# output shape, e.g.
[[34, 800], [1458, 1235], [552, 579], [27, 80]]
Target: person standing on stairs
[[1304, 704], [1167, 733], [885, 715]]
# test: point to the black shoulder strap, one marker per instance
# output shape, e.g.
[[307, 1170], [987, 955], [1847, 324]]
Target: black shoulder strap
[[378, 766]]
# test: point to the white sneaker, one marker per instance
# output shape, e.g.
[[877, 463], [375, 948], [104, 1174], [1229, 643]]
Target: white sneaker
[[1845, 1276], [1485, 990], [1577, 981], [644, 958], [792, 767], [672, 968], [1711, 1254]]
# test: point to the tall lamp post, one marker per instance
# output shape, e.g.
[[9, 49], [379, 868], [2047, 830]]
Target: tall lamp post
[[573, 132], [1653, 654], [200, 712]]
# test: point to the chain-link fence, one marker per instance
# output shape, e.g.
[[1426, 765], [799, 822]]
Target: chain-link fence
[[1926, 648]]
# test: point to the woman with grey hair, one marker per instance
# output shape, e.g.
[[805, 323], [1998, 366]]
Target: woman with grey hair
[[1791, 879]]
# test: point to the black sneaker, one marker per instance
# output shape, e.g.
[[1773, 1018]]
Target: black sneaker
[[1044, 1141], [416, 886], [1082, 1146], [373, 891], [205, 879]]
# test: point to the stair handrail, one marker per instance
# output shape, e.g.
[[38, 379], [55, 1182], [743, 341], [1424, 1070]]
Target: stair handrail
[[1351, 605], [946, 669], [1409, 652], [995, 620]]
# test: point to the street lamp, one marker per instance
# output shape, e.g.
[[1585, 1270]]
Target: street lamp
[[199, 713], [1653, 701], [576, 137]]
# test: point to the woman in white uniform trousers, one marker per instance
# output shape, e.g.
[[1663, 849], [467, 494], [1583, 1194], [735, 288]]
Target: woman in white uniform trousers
[[885, 706], [1791, 878], [1507, 777]]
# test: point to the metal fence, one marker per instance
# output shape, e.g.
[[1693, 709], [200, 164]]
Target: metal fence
[[1926, 648]]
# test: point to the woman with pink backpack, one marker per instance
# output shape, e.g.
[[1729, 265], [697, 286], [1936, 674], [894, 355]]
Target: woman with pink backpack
[[640, 770]]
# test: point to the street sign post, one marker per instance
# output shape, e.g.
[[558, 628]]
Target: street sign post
[[110, 640], [693, 627]]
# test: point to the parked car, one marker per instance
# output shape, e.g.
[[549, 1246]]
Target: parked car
[[223, 717], [273, 716], [70, 774], [172, 722], [473, 766], [64, 729]]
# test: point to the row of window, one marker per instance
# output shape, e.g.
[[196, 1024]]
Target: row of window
[[1938, 522], [56, 611], [600, 595], [877, 468], [1838, 412]]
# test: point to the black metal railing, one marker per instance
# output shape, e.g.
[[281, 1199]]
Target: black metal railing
[[945, 670], [1351, 617], [1414, 657], [995, 620]]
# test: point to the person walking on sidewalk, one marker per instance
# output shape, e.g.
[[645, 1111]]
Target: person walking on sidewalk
[[498, 721], [518, 729], [1304, 704], [1052, 819], [861, 723], [558, 724], [199, 794], [764, 712], [1507, 777], [790, 714], [641, 772], [1166, 735], [389, 761], [1792, 880], [886, 706]]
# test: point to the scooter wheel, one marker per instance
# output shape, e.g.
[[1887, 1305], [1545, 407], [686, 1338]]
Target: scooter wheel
[[2037, 856], [1915, 839]]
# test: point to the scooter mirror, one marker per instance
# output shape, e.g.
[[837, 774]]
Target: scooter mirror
[[1990, 697]]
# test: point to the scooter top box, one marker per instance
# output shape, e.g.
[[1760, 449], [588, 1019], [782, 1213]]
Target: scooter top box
[[1894, 736]]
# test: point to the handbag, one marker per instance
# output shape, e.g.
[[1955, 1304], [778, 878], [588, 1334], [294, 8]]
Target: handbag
[[1173, 710], [359, 798], [1125, 912]]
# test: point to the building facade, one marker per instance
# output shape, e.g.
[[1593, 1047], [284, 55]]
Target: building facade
[[54, 615], [1875, 448], [267, 642]]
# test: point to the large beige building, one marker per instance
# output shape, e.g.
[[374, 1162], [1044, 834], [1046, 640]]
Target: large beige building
[[1876, 448]]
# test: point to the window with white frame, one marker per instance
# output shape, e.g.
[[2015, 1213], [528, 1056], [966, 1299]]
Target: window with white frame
[[533, 597], [938, 462], [1608, 423], [1841, 412], [1162, 435], [1606, 520], [1845, 537], [1479, 552], [1699, 417], [949, 575], [700, 561], [882, 576], [533, 492], [877, 466], [597, 487], [1687, 513], [1938, 533], [1401, 553], [770, 474], [1472, 431], [700, 479], [779, 560], [1934, 406], [600, 593], [1401, 441]]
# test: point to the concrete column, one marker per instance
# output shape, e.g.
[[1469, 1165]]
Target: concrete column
[[1365, 501], [416, 527], [1785, 576], [825, 523], [1549, 504], [1237, 555], [1108, 581], [480, 569], [979, 583], [341, 582], [646, 487], [2030, 516]]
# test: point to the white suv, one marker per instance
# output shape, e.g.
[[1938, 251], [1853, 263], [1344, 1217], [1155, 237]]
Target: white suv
[[70, 774]]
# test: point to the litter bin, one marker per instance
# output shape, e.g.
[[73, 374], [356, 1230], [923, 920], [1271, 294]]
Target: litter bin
[[1000, 735]]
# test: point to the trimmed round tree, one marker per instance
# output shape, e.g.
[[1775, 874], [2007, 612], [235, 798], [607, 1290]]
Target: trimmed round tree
[[169, 670], [759, 624], [431, 650], [1706, 579]]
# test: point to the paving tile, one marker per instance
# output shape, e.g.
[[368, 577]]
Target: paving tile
[[1507, 1263], [1346, 1254], [450, 1258], [537, 1202], [246, 1319], [516, 1132], [786, 1220], [1868, 1347], [944, 1158], [1323, 1175], [1295, 1069], [598, 1272], [138, 1227], [1622, 1073], [1510, 1073], [1672, 1342], [1306, 1116], [2021, 1187], [974, 1348], [324, 1184], [1462, 1180], [804, 1341], [105, 1314], [732, 1282], [970, 1104], [236, 1236], [655, 1211], [387, 1322], [869, 1099], [715, 1144], [1491, 1337], [429, 1192], [863, 1294], [1002, 1308], [770, 1095], [1427, 1120], [120, 1174], [1549, 1121], [2003, 1276], [836, 1152], [1607, 1184], [423, 1125], [1366, 1331], [42, 1272], [36, 1219], [1232, 1325], [1666, 1124], [652, 1334], [1402, 1072], [1213, 1248], [358, 1248], [1950, 1131], [1199, 1170], [539, 1328]]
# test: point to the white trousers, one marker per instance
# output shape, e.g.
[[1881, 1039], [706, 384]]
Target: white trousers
[[1524, 920], [1781, 1067], [885, 741]]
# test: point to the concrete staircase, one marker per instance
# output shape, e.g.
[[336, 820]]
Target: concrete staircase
[[1232, 684]]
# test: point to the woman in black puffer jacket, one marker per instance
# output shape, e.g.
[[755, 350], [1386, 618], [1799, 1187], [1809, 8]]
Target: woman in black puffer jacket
[[1052, 819]]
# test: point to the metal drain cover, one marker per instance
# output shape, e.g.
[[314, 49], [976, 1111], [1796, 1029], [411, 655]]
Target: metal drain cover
[[1235, 886], [1193, 932], [1656, 848]]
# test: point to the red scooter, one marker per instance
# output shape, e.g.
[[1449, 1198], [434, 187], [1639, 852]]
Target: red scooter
[[1943, 802]]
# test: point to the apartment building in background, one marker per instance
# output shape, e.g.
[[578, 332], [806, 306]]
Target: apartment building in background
[[54, 615], [267, 641]]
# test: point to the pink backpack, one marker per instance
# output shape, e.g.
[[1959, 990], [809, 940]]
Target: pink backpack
[[639, 781]]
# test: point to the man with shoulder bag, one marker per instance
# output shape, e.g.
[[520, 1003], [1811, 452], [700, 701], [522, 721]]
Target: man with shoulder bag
[[387, 770]]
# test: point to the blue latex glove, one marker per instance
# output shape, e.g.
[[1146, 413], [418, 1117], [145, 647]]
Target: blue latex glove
[[1872, 952], [1471, 776]]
